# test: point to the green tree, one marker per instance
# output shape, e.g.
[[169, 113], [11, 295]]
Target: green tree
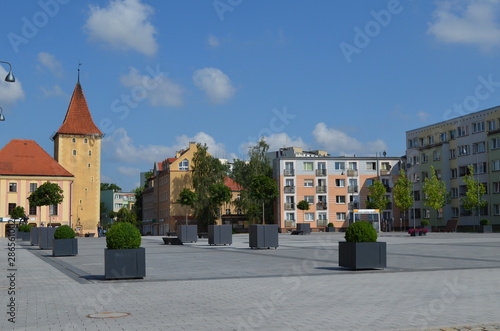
[[137, 209], [219, 194], [475, 192], [244, 172], [124, 215], [436, 195], [263, 190], [107, 186], [402, 193], [303, 205], [112, 215], [207, 170], [18, 212], [46, 194], [186, 199], [377, 196]]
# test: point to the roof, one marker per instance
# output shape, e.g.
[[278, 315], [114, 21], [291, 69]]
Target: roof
[[78, 119], [26, 158], [233, 186]]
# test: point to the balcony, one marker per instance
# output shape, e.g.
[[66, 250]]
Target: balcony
[[289, 206], [352, 172], [322, 222], [320, 189], [321, 206], [289, 223], [384, 172], [388, 189], [289, 189], [321, 172], [353, 205], [352, 189], [289, 172]]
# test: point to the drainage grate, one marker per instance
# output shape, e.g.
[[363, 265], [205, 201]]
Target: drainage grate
[[108, 314]]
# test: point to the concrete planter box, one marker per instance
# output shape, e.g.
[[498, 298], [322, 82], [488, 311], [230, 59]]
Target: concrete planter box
[[25, 236], [304, 227], [364, 255], [187, 233], [65, 247], [46, 237], [485, 229], [263, 235], [125, 263], [330, 229], [11, 231], [34, 237], [19, 234], [220, 234]]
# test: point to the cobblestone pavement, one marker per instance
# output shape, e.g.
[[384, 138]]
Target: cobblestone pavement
[[436, 282]]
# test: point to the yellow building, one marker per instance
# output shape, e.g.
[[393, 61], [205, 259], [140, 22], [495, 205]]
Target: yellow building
[[24, 166], [77, 147]]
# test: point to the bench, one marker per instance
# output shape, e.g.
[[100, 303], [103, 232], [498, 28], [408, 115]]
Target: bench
[[451, 226], [172, 241], [297, 232]]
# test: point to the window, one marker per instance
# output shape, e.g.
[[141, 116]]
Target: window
[[322, 165], [424, 157], [453, 154], [309, 217], [416, 195], [340, 182], [385, 166], [73, 140], [436, 155], [496, 187], [308, 166], [478, 147], [496, 209], [309, 199], [12, 188], [290, 216], [289, 182], [32, 210], [491, 125], [339, 165], [412, 143], [478, 127], [454, 192], [321, 198], [495, 165], [421, 141], [340, 199], [74, 152], [452, 134], [369, 182], [340, 216], [88, 165], [53, 209], [442, 136], [33, 187], [308, 183], [11, 207], [495, 143], [371, 166], [463, 150], [322, 216], [184, 165], [430, 140], [454, 173], [85, 140], [90, 153], [480, 168], [353, 165], [463, 130]]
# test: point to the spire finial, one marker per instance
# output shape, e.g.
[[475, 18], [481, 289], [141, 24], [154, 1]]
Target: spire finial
[[79, 64]]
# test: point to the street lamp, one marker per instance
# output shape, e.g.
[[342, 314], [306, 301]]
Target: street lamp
[[10, 76], [2, 118]]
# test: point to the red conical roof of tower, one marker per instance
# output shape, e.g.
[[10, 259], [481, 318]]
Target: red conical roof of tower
[[78, 119]]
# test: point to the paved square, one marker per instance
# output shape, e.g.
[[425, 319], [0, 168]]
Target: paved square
[[435, 281]]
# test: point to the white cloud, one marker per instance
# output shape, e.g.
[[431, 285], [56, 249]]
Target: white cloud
[[119, 147], [49, 61], [10, 92], [215, 84], [422, 116], [53, 91], [124, 24], [338, 142], [129, 171], [213, 41], [467, 22], [159, 90], [275, 142]]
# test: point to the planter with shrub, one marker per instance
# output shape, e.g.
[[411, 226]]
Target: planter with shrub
[[24, 230], [123, 257], [361, 249], [65, 243], [330, 227], [485, 226], [426, 225]]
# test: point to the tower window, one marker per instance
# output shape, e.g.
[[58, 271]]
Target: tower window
[[74, 152], [90, 153], [12, 187], [85, 140], [88, 165], [73, 140]]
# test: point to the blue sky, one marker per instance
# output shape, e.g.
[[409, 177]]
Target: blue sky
[[349, 77]]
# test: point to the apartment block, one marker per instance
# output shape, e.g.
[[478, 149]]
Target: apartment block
[[334, 186], [450, 147]]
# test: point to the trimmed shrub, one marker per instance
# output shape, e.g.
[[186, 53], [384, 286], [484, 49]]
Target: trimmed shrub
[[330, 225], [123, 235], [64, 232], [24, 228], [484, 222], [424, 222], [361, 231]]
